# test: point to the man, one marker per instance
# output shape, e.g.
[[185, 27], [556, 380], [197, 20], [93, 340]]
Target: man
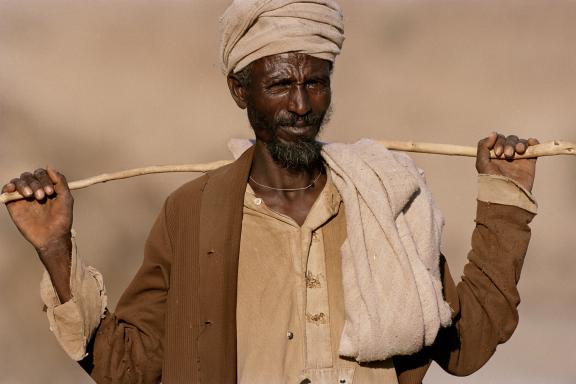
[[296, 263]]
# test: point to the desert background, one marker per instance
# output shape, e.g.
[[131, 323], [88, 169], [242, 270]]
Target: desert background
[[97, 86]]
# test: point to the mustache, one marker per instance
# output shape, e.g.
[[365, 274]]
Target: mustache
[[290, 118]]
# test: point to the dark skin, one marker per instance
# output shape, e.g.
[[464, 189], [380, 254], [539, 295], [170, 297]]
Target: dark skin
[[293, 83], [285, 84]]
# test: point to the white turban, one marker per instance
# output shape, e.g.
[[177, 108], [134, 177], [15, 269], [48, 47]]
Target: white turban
[[252, 29]]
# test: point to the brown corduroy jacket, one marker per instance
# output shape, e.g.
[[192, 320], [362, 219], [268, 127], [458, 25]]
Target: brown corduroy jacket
[[176, 322]]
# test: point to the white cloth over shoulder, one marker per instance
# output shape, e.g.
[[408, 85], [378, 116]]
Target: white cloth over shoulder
[[390, 259]]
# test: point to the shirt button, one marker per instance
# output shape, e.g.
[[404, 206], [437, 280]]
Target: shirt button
[[290, 335], [342, 381], [257, 201]]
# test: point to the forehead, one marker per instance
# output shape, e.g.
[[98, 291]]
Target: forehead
[[290, 64]]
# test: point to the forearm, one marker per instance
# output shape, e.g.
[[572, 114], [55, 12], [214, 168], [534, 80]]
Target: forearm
[[74, 320], [57, 260], [485, 301]]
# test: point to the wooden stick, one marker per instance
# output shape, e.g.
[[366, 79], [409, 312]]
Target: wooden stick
[[552, 148]]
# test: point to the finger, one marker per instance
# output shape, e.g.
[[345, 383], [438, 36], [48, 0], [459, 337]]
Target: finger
[[8, 188], [499, 145], [22, 187], [483, 151], [521, 146], [510, 146], [490, 140], [34, 184], [42, 176], [533, 141], [59, 180]]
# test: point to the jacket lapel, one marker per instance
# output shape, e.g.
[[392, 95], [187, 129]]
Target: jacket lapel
[[220, 231]]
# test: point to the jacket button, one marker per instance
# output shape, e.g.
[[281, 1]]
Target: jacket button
[[290, 335]]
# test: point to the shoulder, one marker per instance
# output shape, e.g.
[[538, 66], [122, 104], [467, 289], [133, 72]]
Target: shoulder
[[408, 162], [190, 194], [187, 192], [192, 190]]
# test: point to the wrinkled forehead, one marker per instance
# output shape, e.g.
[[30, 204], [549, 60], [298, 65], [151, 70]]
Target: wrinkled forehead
[[291, 64]]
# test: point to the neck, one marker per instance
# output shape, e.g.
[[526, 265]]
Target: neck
[[296, 203], [267, 172]]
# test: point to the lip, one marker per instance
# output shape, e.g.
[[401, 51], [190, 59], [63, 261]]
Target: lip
[[292, 132], [298, 129]]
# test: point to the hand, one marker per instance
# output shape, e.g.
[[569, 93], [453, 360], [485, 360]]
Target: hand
[[44, 217], [520, 170]]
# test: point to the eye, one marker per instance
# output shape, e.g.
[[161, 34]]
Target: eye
[[280, 85], [319, 84], [312, 84]]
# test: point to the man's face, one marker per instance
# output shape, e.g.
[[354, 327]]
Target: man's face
[[287, 99]]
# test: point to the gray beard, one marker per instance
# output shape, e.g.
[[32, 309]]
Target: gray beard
[[297, 155]]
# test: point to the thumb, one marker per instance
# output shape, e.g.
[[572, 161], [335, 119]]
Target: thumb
[[483, 151], [59, 180]]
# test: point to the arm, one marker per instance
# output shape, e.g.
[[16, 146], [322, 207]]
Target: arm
[[127, 346], [485, 301]]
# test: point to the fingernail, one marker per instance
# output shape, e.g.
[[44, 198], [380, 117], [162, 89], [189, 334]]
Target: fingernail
[[48, 190], [27, 191], [39, 194]]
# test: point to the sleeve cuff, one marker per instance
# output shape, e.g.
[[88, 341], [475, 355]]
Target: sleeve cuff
[[74, 322], [503, 190]]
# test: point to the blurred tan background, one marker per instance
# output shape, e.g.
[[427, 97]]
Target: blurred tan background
[[97, 86]]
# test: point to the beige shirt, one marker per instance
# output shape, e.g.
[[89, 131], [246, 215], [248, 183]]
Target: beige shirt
[[288, 331]]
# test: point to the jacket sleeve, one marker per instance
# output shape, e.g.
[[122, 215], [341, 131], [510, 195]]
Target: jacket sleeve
[[127, 346], [485, 301]]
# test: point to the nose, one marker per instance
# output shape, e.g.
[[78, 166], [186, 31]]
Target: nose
[[299, 102]]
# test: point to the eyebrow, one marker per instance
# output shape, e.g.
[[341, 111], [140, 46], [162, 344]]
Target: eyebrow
[[279, 77]]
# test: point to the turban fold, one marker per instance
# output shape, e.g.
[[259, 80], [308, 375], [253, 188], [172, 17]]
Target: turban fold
[[252, 29]]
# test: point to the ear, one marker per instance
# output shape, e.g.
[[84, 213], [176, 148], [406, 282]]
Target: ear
[[237, 91]]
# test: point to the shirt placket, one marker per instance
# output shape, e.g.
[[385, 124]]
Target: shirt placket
[[317, 314]]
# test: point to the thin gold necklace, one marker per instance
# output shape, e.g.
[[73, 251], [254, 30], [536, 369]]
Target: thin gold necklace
[[287, 189]]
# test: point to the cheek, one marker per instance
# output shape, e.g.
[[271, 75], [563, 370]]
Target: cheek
[[321, 100]]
